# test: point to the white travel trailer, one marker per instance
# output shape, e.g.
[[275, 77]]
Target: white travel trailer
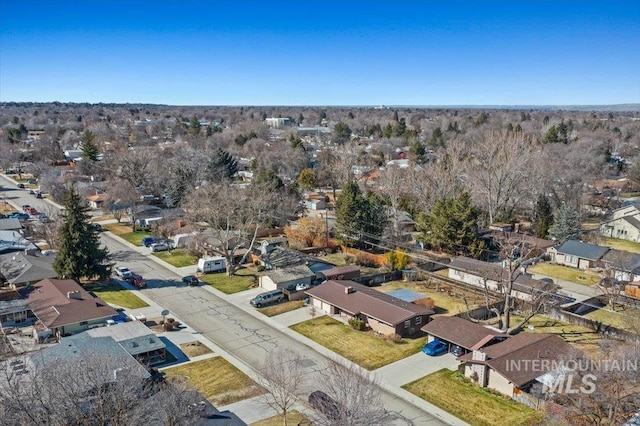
[[212, 264]]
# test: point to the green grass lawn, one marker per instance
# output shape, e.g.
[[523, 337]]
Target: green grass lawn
[[565, 273], [241, 281], [452, 392], [363, 348], [124, 231], [115, 294], [281, 308], [623, 245], [177, 257], [218, 380]]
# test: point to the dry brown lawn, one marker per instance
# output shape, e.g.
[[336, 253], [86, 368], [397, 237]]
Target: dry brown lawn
[[195, 348]]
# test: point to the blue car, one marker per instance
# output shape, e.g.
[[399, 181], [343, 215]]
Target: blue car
[[435, 347], [147, 241], [21, 216]]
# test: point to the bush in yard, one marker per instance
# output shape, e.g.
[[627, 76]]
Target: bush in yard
[[357, 324], [366, 260], [260, 268]]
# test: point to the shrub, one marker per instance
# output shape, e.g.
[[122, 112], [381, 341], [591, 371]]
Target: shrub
[[357, 324], [260, 268], [349, 259], [367, 260]]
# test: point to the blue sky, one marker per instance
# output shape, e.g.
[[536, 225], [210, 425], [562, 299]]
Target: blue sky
[[321, 53]]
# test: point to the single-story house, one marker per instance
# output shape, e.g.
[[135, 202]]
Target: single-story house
[[578, 254], [494, 277], [24, 268], [383, 313], [457, 331], [11, 241], [137, 339], [293, 280], [282, 257], [623, 266], [10, 224], [511, 367], [623, 223], [96, 201], [64, 307], [147, 214], [315, 204], [348, 272]]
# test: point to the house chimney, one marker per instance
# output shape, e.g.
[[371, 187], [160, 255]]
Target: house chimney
[[349, 290], [74, 295]]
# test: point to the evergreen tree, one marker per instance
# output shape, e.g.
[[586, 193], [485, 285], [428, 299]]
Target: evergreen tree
[[542, 217], [358, 217], [452, 226], [89, 149], [417, 152], [341, 133], [221, 165], [307, 179], [567, 224], [80, 254], [194, 126], [436, 138]]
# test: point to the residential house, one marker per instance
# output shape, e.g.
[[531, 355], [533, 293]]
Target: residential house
[[515, 366], [20, 269], [623, 223], [348, 272], [64, 307], [293, 280], [10, 224], [495, 277], [501, 237], [148, 214], [96, 201], [380, 312], [137, 339], [281, 257], [11, 241], [622, 265], [578, 254], [456, 331]]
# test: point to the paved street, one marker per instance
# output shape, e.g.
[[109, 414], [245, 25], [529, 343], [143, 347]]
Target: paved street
[[235, 330]]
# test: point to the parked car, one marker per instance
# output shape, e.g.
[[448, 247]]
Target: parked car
[[137, 281], [3, 216], [38, 194], [32, 181], [303, 286], [148, 241], [457, 351], [21, 185], [191, 280], [32, 192], [435, 347], [25, 207], [31, 210], [323, 403], [159, 247], [262, 299], [97, 227], [18, 215], [123, 272]]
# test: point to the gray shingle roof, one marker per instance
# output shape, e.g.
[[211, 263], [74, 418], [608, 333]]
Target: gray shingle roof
[[290, 273], [20, 268], [135, 337], [10, 224], [582, 250]]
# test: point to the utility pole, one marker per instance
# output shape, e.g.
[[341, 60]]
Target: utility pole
[[326, 221]]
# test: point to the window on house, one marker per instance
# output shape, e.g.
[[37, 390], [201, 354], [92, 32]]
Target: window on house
[[84, 323], [418, 320], [407, 324], [457, 272]]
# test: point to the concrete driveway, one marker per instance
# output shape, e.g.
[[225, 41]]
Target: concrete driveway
[[414, 367]]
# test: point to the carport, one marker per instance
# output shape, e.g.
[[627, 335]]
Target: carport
[[456, 331]]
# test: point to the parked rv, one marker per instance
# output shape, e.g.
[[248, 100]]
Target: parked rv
[[212, 264]]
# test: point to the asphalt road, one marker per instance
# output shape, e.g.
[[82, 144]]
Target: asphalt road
[[237, 332]]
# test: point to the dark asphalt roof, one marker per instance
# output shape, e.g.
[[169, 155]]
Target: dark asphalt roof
[[582, 250]]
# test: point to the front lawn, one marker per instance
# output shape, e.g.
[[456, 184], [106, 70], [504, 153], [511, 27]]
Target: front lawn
[[241, 281], [565, 273], [452, 392], [363, 348], [218, 380], [115, 294], [293, 418], [281, 308], [177, 257], [623, 245], [124, 231]]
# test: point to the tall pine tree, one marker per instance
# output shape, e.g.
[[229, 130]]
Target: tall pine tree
[[567, 224], [80, 254], [358, 217], [542, 217], [89, 149]]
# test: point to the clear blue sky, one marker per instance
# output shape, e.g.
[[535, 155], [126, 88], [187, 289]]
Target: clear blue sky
[[321, 53]]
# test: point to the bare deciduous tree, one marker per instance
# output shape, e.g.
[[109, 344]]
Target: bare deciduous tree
[[356, 395], [283, 377]]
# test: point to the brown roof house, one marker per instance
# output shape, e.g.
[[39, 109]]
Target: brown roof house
[[383, 313], [63, 307], [456, 331], [494, 277], [516, 366]]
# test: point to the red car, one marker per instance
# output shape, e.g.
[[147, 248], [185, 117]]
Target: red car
[[137, 281]]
